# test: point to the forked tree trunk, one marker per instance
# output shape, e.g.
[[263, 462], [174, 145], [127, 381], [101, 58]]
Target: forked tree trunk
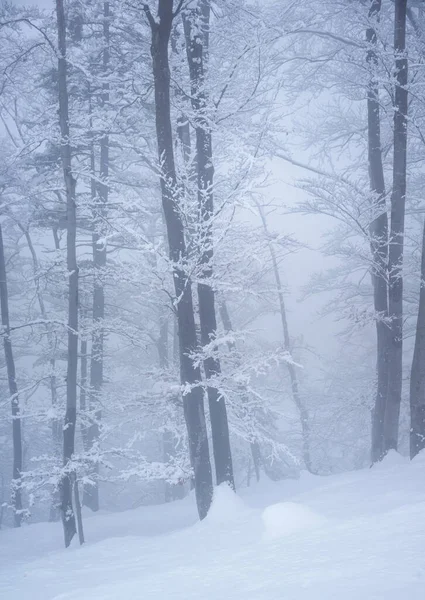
[[68, 516], [378, 237], [398, 200], [190, 374], [13, 390], [195, 41]]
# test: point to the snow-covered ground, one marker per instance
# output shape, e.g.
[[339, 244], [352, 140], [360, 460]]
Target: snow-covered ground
[[355, 536]]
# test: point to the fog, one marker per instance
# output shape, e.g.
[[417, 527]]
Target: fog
[[211, 258]]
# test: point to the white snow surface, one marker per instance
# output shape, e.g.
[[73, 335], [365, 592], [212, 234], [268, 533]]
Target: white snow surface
[[355, 536]]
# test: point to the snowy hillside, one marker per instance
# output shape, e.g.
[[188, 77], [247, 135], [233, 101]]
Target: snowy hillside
[[356, 536]]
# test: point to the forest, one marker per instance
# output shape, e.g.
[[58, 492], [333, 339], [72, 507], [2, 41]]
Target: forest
[[212, 260]]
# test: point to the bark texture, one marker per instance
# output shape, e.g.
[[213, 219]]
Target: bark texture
[[398, 200], [13, 390], [196, 26], [100, 199], [67, 511], [378, 237], [417, 376], [189, 373]]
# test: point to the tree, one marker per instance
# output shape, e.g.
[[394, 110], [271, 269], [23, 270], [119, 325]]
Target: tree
[[417, 376], [378, 236], [100, 193], [396, 246], [304, 417], [196, 26], [189, 373], [68, 479], [13, 390]]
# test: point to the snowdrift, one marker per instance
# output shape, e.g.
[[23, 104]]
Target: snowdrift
[[351, 536]]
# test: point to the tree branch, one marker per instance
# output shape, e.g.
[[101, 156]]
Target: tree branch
[[149, 16]]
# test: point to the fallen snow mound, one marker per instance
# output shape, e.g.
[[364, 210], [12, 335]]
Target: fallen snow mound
[[288, 517], [226, 505], [391, 460]]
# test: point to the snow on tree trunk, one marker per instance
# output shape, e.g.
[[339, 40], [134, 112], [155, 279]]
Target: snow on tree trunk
[[13, 390], [379, 238], [254, 446], [398, 199], [190, 374], [195, 42], [68, 516], [91, 494], [417, 376]]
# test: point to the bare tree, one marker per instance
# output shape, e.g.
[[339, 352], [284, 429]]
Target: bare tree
[[190, 374], [298, 401], [100, 198], [196, 27], [68, 516], [378, 235], [13, 390], [398, 200], [417, 376]]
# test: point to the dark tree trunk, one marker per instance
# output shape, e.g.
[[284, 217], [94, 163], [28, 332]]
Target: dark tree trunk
[[303, 412], [378, 238], [195, 41], [68, 516], [254, 446], [398, 199], [172, 491], [57, 429], [91, 493], [190, 374], [56, 432], [13, 390], [417, 376], [78, 513], [83, 392]]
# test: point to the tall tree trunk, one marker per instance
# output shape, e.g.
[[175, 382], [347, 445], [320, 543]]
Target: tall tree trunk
[[68, 516], [195, 42], [378, 238], [13, 390], [254, 446], [83, 393], [172, 491], [91, 494], [189, 373], [56, 433], [57, 429], [417, 376], [398, 199], [304, 417]]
